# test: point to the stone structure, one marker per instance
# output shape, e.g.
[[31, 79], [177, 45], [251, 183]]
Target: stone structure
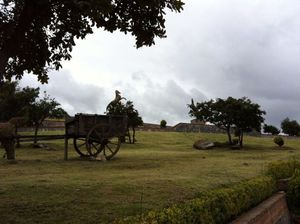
[[274, 210], [197, 127]]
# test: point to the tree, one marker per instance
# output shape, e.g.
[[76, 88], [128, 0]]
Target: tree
[[41, 109], [290, 127], [134, 120], [240, 114], [14, 101], [36, 35], [163, 124], [271, 129]]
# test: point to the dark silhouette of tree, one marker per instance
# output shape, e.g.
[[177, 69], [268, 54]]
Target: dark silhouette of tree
[[15, 101], [290, 127], [240, 114], [271, 129], [134, 120], [41, 109], [36, 35], [163, 124]]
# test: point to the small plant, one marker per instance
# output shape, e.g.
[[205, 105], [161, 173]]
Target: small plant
[[279, 141], [163, 123]]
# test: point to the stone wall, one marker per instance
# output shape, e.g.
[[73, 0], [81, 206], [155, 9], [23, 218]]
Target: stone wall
[[188, 127], [274, 210]]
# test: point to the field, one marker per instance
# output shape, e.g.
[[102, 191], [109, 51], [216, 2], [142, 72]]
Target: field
[[159, 170]]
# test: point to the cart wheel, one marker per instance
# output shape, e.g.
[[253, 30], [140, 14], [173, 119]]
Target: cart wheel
[[80, 146], [95, 137], [111, 146]]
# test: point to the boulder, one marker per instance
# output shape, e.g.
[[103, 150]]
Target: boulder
[[200, 144]]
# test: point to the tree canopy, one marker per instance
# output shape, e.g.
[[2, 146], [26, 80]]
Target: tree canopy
[[15, 101], [240, 114], [290, 127], [134, 119], [271, 129], [41, 109], [36, 35]]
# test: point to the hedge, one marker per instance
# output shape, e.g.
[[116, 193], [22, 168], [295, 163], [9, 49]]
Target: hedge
[[215, 206], [281, 170]]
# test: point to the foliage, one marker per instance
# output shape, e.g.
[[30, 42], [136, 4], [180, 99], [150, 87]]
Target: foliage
[[163, 124], [42, 109], [293, 193], [241, 114], [216, 206], [36, 35], [134, 120], [290, 127], [279, 141], [271, 129], [282, 170], [14, 101]]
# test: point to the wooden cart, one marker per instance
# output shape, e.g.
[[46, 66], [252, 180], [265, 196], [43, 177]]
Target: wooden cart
[[93, 134]]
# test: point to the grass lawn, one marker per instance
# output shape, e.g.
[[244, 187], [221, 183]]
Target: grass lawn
[[160, 169]]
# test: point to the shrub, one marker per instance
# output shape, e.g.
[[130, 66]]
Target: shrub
[[279, 141], [293, 193], [216, 206], [163, 123], [281, 170]]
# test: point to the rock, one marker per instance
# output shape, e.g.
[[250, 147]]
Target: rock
[[200, 144]]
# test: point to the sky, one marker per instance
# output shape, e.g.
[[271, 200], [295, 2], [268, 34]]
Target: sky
[[214, 49]]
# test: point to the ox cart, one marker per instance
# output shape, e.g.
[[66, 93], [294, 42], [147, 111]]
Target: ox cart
[[93, 134]]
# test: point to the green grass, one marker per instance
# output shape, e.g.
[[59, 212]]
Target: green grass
[[159, 170]]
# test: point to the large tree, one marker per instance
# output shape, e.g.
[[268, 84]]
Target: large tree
[[36, 35], [290, 127], [240, 114], [15, 101]]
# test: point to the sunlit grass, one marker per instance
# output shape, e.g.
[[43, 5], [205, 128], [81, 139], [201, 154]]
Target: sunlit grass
[[160, 169]]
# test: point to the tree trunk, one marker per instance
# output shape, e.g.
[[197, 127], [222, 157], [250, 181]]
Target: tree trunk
[[3, 62], [129, 135], [241, 138], [9, 146], [133, 135], [35, 133], [229, 135]]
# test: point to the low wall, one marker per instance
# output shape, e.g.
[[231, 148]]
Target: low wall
[[274, 210]]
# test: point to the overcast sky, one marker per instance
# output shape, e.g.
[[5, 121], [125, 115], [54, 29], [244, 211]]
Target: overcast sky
[[214, 49]]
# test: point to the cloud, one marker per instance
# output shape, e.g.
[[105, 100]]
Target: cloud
[[213, 49], [160, 100], [74, 97]]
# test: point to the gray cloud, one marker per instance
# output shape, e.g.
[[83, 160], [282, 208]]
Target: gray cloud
[[74, 97], [213, 49]]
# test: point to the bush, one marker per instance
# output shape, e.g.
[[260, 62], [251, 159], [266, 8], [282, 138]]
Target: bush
[[163, 123], [293, 193], [216, 206], [279, 141], [281, 170]]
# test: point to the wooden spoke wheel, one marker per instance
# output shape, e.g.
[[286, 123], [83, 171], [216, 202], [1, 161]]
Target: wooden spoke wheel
[[100, 139], [95, 137], [111, 146], [80, 146]]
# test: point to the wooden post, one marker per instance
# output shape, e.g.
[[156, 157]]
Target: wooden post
[[66, 148]]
